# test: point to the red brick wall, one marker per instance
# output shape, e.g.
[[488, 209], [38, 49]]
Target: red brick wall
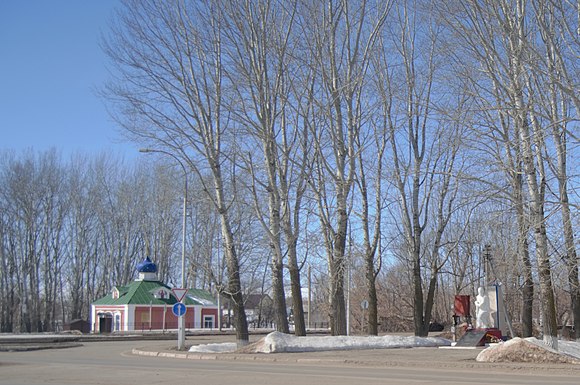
[[213, 312], [142, 318]]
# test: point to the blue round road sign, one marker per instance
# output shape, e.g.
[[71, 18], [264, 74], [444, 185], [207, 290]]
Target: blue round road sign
[[179, 309]]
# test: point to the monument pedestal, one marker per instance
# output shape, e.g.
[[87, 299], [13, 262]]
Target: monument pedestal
[[492, 335], [480, 337]]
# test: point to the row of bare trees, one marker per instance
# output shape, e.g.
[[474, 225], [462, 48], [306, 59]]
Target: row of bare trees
[[71, 230], [349, 110], [525, 55], [67, 230], [353, 135]]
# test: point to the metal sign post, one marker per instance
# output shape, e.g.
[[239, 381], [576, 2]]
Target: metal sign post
[[179, 310], [364, 305]]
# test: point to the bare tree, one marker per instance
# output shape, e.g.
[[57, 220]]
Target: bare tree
[[370, 179], [170, 93], [497, 142], [34, 208], [495, 34], [427, 110], [372, 237], [204, 241], [260, 39], [343, 37], [555, 103]]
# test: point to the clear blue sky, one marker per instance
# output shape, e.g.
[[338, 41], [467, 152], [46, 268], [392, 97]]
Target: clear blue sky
[[50, 66]]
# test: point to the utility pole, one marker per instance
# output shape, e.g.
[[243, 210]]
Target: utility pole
[[180, 319]]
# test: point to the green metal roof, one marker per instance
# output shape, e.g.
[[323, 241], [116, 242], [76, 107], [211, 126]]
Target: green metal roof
[[202, 296], [143, 293]]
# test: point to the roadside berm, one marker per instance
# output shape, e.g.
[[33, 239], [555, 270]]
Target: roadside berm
[[524, 350]]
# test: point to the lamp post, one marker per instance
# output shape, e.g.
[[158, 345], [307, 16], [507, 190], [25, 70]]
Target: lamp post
[[181, 319]]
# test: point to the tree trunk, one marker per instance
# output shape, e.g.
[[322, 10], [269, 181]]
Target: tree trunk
[[235, 288], [559, 133], [373, 327], [232, 262], [296, 288], [537, 217], [337, 299], [418, 320], [279, 296], [524, 254]]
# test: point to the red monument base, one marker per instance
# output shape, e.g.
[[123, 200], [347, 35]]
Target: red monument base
[[492, 335], [480, 337]]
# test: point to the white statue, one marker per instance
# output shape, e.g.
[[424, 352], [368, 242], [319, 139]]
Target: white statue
[[483, 310]]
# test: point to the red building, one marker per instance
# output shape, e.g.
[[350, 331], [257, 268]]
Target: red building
[[146, 304]]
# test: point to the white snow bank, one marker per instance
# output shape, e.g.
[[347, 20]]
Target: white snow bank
[[226, 347], [277, 342], [571, 348]]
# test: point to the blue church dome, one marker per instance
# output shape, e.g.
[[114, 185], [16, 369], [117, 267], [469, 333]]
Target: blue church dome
[[146, 266]]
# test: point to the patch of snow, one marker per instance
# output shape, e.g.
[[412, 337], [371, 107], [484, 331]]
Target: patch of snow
[[277, 342], [514, 350], [571, 348], [226, 347]]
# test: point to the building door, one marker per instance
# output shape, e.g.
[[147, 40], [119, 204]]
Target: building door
[[105, 323]]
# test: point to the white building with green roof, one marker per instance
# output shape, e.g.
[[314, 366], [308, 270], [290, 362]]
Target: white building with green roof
[[146, 304]]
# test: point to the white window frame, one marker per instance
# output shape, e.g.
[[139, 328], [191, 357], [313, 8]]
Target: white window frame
[[210, 318], [117, 322]]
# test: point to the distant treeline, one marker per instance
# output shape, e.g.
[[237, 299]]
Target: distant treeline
[[70, 230]]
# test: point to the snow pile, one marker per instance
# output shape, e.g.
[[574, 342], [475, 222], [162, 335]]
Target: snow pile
[[514, 350], [227, 347], [530, 350], [570, 348], [277, 342]]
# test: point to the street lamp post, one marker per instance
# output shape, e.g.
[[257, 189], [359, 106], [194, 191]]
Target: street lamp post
[[181, 319]]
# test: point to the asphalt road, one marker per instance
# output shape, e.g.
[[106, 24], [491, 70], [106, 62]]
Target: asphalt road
[[113, 363]]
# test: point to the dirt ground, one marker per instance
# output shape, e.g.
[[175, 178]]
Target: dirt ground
[[437, 358]]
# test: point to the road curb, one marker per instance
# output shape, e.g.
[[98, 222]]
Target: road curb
[[33, 347], [188, 356], [144, 353], [215, 357]]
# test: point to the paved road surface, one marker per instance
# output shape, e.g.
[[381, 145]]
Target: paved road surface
[[113, 363]]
